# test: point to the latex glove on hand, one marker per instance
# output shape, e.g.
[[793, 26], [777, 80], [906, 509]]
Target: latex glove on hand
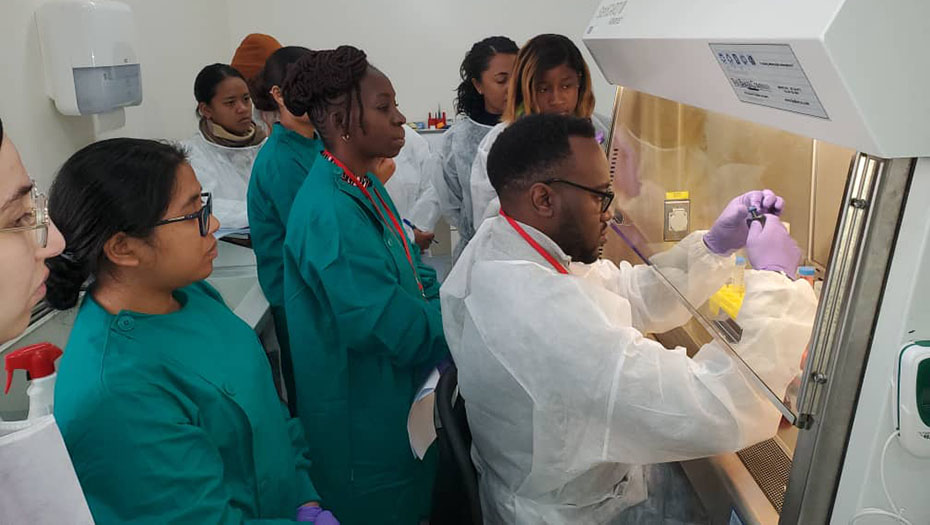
[[730, 230], [315, 514], [769, 247]]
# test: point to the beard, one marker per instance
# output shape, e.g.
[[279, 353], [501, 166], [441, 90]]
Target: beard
[[571, 238]]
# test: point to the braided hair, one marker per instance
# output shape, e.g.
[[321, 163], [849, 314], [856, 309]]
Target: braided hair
[[321, 80]]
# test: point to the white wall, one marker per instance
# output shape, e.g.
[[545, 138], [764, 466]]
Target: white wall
[[419, 44], [175, 39]]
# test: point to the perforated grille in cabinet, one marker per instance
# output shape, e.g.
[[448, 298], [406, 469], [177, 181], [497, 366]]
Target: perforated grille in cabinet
[[770, 467]]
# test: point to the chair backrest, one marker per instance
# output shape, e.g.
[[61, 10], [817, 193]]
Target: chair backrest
[[453, 433]]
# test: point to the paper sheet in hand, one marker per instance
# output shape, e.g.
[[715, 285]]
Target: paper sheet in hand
[[420, 426], [37, 481]]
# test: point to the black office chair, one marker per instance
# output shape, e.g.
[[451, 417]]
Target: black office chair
[[455, 494]]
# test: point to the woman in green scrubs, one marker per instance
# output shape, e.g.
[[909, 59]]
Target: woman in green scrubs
[[362, 309], [278, 172], [164, 397]]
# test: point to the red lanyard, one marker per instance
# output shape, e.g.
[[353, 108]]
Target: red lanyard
[[399, 231], [532, 242]]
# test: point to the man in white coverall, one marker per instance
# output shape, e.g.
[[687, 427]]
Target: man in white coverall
[[566, 398]]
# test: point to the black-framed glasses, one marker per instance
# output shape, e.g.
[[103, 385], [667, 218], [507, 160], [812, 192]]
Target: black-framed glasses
[[202, 215], [607, 197], [39, 220]]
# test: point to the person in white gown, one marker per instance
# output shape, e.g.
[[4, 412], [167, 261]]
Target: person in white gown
[[566, 398]]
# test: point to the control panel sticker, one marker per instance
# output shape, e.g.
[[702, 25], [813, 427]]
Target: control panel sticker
[[768, 75]]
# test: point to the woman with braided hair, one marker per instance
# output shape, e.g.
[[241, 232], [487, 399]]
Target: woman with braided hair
[[362, 309]]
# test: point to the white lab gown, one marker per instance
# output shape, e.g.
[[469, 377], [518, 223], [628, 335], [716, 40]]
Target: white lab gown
[[452, 183], [484, 199], [566, 398], [225, 172], [411, 186]]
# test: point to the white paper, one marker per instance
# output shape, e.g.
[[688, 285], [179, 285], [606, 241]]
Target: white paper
[[420, 424], [226, 232], [38, 484]]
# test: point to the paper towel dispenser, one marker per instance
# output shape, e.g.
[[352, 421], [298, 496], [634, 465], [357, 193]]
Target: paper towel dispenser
[[88, 51]]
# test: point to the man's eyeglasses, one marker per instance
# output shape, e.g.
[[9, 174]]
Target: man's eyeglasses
[[36, 219], [607, 197], [202, 215]]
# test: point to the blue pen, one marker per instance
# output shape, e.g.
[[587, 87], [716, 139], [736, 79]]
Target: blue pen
[[408, 223]]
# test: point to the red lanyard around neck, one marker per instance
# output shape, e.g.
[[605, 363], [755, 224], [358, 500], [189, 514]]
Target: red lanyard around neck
[[532, 242], [398, 231]]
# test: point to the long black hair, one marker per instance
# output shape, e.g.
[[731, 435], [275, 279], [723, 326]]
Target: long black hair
[[476, 62], [273, 74], [209, 78], [111, 186], [323, 79]]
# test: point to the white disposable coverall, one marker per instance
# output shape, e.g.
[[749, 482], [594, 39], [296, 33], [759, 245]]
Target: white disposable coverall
[[565, 397], [453, 183], [224, 172], [484, 199], [411, 186]]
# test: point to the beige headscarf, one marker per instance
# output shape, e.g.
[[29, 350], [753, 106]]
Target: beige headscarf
[[217, 134]]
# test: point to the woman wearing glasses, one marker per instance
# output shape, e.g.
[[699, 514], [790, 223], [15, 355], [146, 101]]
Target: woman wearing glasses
[[26, 240], [164, 397]]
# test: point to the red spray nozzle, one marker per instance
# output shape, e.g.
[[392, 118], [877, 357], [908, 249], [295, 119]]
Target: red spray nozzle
[[38, 360]]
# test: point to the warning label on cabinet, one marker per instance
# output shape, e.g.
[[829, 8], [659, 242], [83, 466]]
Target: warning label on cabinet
[[768, 75]]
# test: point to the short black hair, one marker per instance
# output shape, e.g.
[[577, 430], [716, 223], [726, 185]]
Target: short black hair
[[531, 148]]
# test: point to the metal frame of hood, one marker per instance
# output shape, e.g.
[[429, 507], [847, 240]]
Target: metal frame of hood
[[863, 244]]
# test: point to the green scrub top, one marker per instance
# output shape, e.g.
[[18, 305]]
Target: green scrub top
[[367, 337], [277, 174], [174, 418]]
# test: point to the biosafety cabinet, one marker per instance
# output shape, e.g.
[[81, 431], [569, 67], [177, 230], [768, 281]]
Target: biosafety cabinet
[[826, 102]]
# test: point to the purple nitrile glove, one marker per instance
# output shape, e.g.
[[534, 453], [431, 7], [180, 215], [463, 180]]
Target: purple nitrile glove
[[771, 248], [730, 229], [316, 515]]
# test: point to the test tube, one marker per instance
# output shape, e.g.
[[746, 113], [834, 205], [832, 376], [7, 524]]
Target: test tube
[[808, 273], [738, 276]]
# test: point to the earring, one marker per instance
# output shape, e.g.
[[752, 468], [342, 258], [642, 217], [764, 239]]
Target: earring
[[345, 137]]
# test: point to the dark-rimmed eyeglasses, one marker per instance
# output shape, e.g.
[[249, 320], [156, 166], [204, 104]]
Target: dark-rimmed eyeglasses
[[607, 197], [202, 215], [38, 220]]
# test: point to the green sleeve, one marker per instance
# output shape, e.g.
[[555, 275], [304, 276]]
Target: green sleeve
[[142, 461], [295, 430], [371, 311], [286, 186]]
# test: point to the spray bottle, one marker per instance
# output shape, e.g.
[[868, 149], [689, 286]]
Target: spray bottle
[[38, 361]]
